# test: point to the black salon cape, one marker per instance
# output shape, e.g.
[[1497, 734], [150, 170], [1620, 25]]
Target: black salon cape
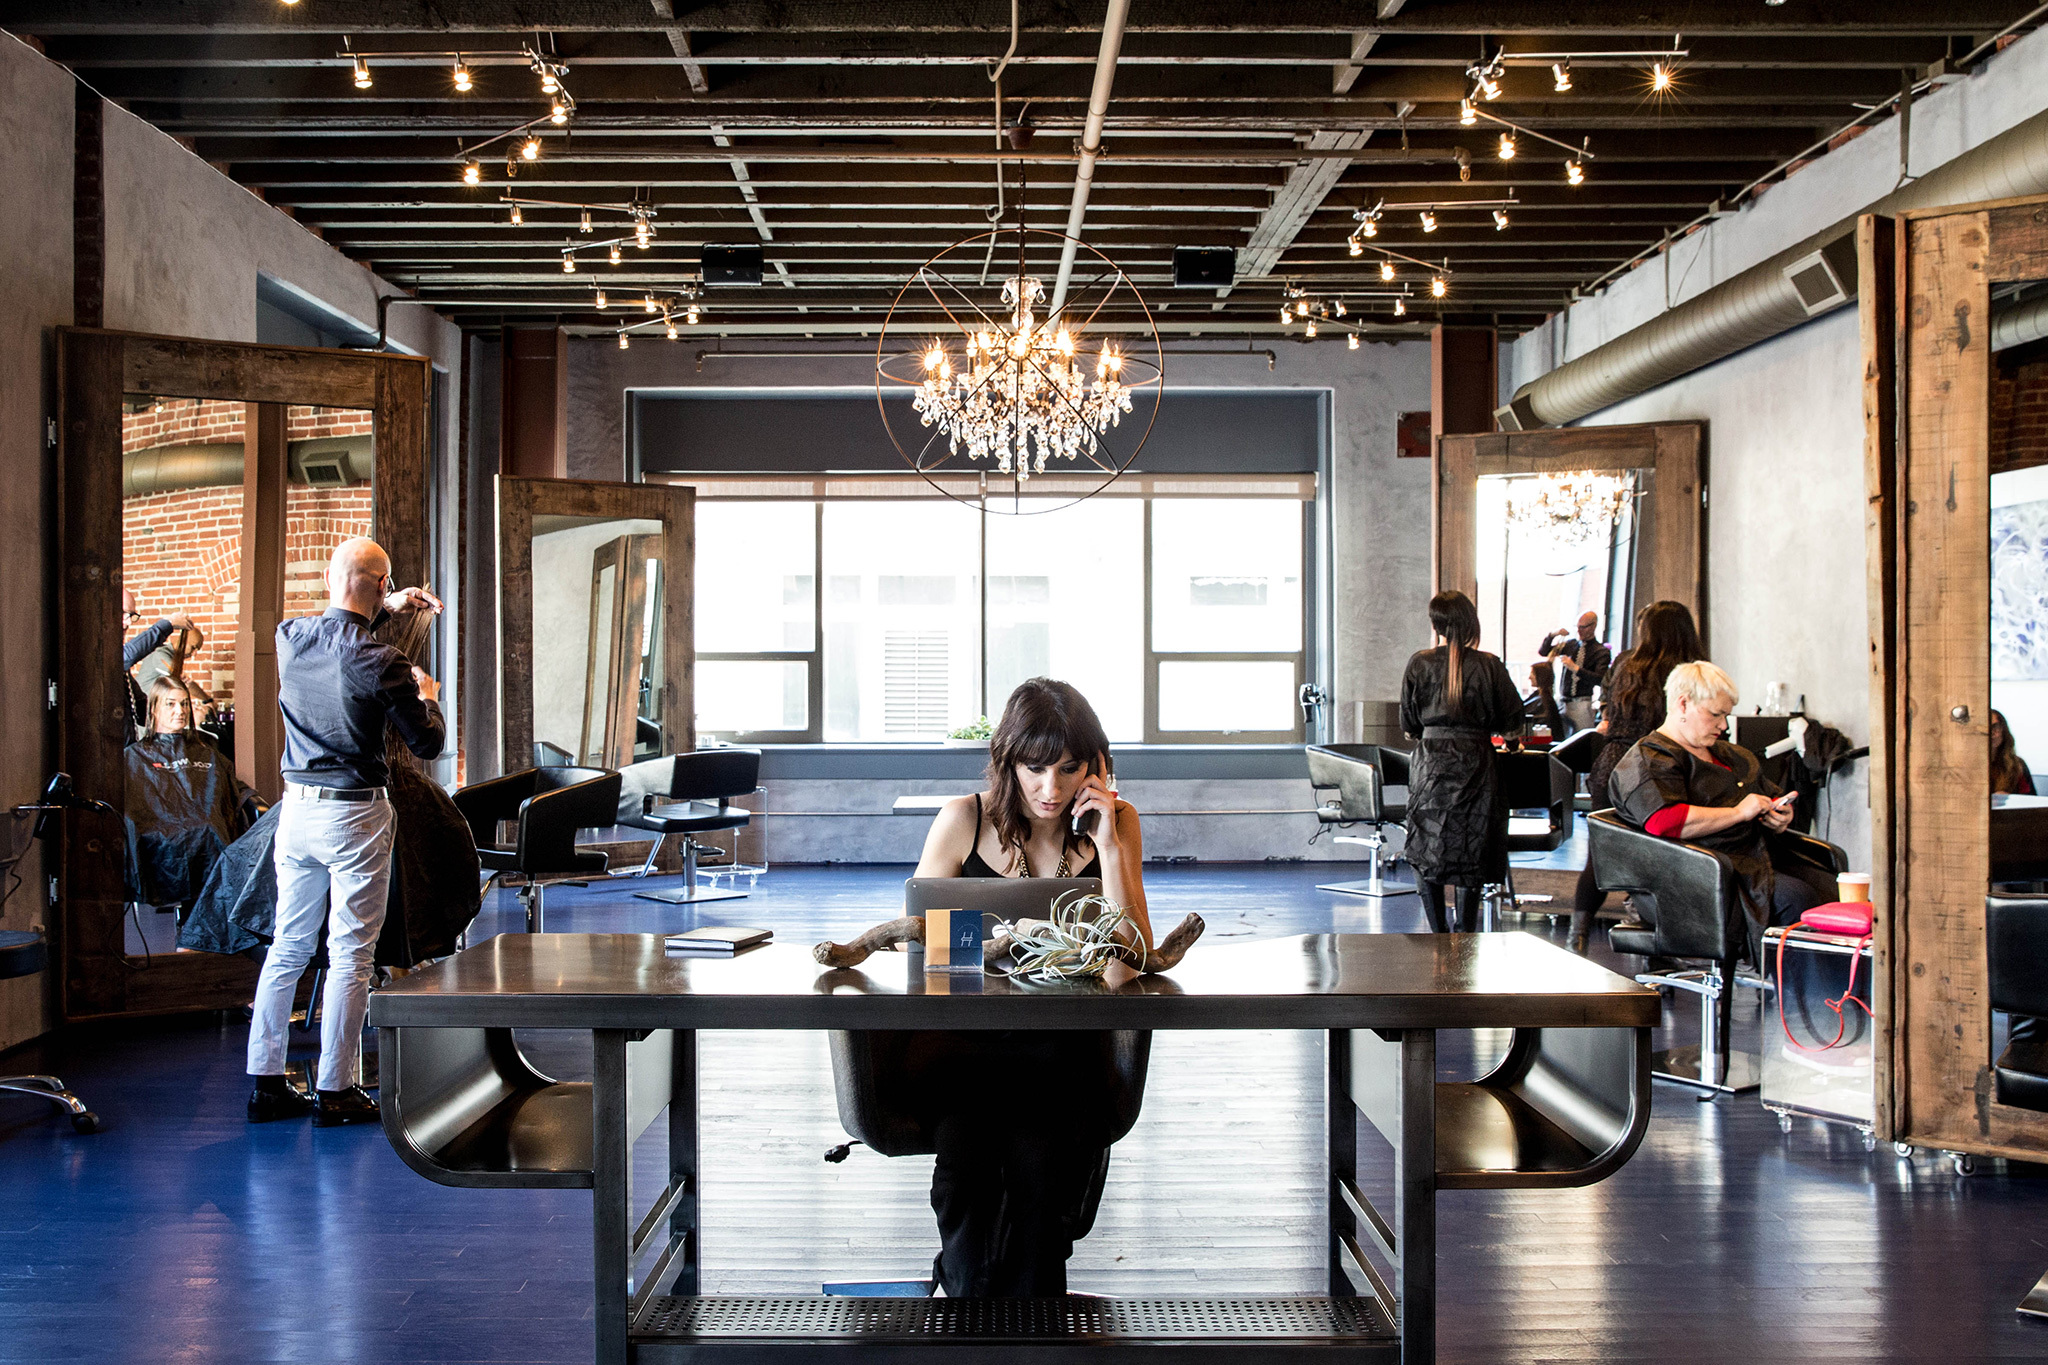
[[434, 895], [1659, 771], [183, 807], [1457, 825]]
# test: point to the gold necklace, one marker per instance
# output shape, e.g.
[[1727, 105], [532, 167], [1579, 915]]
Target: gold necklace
[[1020, 868]]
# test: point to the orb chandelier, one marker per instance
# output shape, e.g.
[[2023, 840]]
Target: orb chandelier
[[1569, 508], [1010, 384]]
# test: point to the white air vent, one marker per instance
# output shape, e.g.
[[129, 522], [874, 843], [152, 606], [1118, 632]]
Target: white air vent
[[914, 682], [325, 471], [1815, 281]]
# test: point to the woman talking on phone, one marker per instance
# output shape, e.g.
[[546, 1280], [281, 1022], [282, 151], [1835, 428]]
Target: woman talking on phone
[[1022, 1118], [1684, 781]]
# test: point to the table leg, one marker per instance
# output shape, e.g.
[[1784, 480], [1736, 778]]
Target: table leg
[[683, 1160], [611, 1220], [1415, 1182], [1341, 1144]]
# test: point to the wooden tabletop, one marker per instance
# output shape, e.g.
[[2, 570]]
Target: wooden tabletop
[[1312, 981]]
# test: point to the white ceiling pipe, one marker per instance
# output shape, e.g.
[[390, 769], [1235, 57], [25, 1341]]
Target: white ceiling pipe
[[1091, 142], [1760, 303], [2020, 324]]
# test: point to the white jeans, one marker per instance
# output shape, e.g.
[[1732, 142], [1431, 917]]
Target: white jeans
[[333, 862], [1579, 711]]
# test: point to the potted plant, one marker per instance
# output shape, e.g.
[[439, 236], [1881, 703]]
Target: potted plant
[[974, 734]]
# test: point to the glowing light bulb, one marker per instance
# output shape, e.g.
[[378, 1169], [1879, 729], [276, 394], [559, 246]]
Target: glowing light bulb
[[362, 74], [1386, 270], [1574, 173], [1660, 77], [1467, 115], [1340, 308], [615, 253], [652, 306], [559, 113], [1064, 342], [1372, 227], [691, 316], [586, 220], [530, 149], [932, 358], [672, 334], [1507, 146], [1351, 342], [463, 81], [568, 263], [1428, 221], [518, 218], [1311, 327], [1500, 220], [472, 174], [1400, 309], [548, 84], [1356, 249], [1286, 316], [1301, 308], [623, 343], [1562, 76], [1437, 287], [601, 301], [1489, 87]]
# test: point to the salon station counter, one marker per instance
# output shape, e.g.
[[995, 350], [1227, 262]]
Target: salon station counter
[[1567, 1106]]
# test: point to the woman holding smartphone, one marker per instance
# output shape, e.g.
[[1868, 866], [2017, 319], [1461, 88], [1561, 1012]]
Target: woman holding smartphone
[[1022, 1119], [1684, 781]]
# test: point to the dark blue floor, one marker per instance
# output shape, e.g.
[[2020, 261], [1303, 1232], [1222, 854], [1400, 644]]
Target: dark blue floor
[[183, 1234]]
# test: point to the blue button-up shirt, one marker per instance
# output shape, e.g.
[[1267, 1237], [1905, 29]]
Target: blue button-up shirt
[[337, 684]]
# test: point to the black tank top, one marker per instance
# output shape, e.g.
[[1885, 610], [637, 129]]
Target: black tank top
[[974, 865]]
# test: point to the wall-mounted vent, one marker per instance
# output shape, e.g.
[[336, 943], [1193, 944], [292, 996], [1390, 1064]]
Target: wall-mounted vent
[[1813, 277], [326, 471]]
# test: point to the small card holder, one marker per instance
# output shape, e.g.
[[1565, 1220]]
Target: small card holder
[[952, 941]]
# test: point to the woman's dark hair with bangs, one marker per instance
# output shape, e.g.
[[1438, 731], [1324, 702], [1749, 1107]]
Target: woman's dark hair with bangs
[[1042, 720]]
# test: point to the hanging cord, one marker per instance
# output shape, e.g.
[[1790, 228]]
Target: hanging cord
[[1847, 997]]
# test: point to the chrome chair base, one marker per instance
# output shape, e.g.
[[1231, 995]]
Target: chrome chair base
[[1682, 1066], [691, 894], [1375, 886], [2035, 1304], [51, 1089]]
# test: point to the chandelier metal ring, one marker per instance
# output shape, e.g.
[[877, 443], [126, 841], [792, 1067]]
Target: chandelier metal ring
[[1002, 387]]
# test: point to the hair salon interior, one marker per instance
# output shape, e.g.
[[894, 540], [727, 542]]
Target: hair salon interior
[[1338, 675]]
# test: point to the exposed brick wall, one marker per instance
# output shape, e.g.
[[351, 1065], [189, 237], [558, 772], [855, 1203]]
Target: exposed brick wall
[[2019, 415], [184, 548]]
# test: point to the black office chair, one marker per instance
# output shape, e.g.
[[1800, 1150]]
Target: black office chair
[[1690, 901], [551, 805], [1360, 775], [872, 1076], [687, 794], [25, 954], [2016, 952], [1530, 780], [1578, 754]]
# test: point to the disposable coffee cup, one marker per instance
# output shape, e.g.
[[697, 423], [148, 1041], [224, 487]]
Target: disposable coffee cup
[[1854, 886]]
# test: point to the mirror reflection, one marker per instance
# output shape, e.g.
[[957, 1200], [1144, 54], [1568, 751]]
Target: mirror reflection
[[597, 633]]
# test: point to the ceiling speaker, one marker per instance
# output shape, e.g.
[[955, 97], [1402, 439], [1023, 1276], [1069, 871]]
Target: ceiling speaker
[[1204, 267], [732, 265]]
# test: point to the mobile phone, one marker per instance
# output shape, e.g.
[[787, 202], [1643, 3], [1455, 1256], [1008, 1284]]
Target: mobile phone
[[1782, 802], [1083, 822]]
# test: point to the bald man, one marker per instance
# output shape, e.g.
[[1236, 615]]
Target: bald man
[[1585, 663], [337, 687]]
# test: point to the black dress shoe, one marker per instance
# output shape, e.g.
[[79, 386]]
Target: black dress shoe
[[332, 1108], [267, 1106]]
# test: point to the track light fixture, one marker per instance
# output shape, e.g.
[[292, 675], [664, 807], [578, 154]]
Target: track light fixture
[[1356, 248], [518, 218], [1437, 287], [1351, 342], [472, 173], [1372, 225], [1428, 221], [1340, 308], [1561, 75], [585, 225], [1311, 329], [1386, 270], [1286, 315], [464, 82], [1467, 115], [1507, 146], [623, 343], [1574, 173], [1301, 308], [690, 315], [1661, 77], [1464, 164], [615, 257], [558, 112], [670, 324], [568, 260], [1500, 220], [602, 302], [652, 306], [530, 149], [1400, 308], [362, 74]]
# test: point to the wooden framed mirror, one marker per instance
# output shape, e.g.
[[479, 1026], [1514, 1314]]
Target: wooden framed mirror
[[233, 409], [595, 637], [1950, 492]]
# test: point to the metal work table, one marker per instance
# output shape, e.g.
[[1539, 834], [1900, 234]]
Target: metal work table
[[1566, 1107]]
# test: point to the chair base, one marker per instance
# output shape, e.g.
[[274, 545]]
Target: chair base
[[1682, 1066], [690, 896], [2035, 1304], [1373, 890], [51, 1089]]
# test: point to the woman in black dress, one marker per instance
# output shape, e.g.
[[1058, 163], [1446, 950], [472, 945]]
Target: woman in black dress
[[1454, 700], [1665, 637], [1016, 1178]]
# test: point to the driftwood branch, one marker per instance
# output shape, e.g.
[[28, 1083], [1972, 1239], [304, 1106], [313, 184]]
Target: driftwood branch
[[909, 929]]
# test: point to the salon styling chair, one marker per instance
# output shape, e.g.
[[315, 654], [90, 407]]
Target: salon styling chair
[[25, 954], [550, 805], [1530, 780], [874, 1077], [1360, 774], [2016, 953], [687, 794], [1689, 899], [1578, 754]]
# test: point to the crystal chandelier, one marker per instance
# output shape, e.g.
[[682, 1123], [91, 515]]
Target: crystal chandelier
[[1007, 376], [1020, 392], [1570, 508]]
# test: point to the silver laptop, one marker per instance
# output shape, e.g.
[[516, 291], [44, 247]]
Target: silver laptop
[[1010, 898]]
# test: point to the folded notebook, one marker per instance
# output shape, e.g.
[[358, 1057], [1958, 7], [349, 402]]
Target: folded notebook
[[714, 938]]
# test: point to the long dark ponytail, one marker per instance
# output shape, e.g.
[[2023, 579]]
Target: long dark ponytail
[[1452, 615]]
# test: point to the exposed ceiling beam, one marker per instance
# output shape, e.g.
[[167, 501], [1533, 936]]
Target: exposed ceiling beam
[[1362, 44], [679, 42]]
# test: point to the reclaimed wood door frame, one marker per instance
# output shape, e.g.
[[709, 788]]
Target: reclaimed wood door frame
[[95, 370], [1926, 326], [519, 502], [1675, 548]]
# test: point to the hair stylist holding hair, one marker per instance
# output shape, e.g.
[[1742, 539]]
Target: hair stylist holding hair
[[1022, 1118], [1454, 700]]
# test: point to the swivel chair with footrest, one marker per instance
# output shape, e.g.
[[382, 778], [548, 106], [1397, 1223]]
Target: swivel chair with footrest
[[1691, 904], [550, 804], [1360, 775], [687, 794], [25, 954]]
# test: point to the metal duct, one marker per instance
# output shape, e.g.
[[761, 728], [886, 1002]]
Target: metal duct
[[2020, 324], [217, 465], [1762, 302], [1091, 142]]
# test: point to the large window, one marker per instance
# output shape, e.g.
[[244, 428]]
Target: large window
[[875, 619]]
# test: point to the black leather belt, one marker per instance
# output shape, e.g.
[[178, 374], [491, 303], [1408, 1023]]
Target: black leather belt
[[306, 793]]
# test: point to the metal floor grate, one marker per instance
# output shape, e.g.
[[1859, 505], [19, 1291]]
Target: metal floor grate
[[1263, 1319]]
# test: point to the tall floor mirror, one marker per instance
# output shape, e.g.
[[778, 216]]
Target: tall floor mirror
[[203, 483], [594, 620]]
